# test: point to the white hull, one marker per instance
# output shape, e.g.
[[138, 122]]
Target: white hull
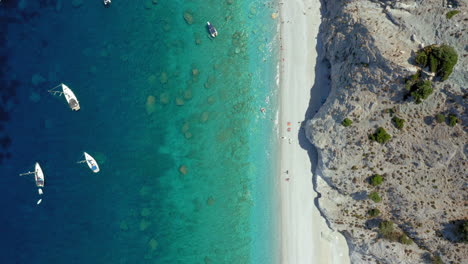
[[71, 98], [92, 164], [38, 175]]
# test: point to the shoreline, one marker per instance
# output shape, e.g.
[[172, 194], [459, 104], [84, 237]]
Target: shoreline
[[305, 236]]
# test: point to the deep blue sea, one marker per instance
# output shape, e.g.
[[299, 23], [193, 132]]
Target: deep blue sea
[[172, 117]]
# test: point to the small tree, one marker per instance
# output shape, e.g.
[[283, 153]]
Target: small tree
[[440, 118], [452, 119], [437, 260], [399, 123], [421, 90], [440, 59], [376, 180], [374, 196], [380, 136], [386, 228], [450, 14], [404, 239], [373, 212], [346, 122]]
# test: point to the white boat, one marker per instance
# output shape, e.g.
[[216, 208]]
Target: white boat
[[92, 164], [38, 175], [212, 30], [69, 96]]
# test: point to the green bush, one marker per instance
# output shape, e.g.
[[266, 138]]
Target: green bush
[[399, 123], [346, 122], [421, 90], [437, 260], [452, 119], [450, 14], [380, 136], [404, 239], [410, 81], [386, 228], [421, 58], [440, 59], [373, 212], [376, 180], [374, 196], [440, 118]]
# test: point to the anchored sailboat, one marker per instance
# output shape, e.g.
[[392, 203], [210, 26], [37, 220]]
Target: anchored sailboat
[[38, 176], [92, 164], [69, 96]]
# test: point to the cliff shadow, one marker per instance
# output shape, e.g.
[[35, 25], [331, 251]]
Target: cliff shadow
[[318, 95]]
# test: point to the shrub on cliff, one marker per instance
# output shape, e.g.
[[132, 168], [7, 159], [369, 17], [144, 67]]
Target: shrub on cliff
[[399, 123], [420, 91], [346, 122], [404, 239], [386, 228], [373, 212], [440, 59], [376, 180], [374, 196], [437, 260], [450, 14], [380, 136], [452, 119], [440, 118]]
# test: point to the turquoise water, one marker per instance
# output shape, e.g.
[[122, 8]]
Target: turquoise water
[[172, 117]]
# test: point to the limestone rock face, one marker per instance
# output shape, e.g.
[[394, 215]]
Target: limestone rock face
[[370, 46]]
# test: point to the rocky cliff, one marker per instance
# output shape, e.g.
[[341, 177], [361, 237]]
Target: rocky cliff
[[371, 48]]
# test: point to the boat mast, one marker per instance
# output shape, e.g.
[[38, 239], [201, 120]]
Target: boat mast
[[56, 92]]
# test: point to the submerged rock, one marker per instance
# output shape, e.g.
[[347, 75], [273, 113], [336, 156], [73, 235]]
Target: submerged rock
[[210, 201], [77, 3], [188, 18], [145, 212], [153, 244], [179, 101], [188, 94], [123, 226], [37, 79], [150, 104], [183, 169], [164, 98], [144, 224], [34, 97], [144, 191], [163, 78], [204, 117]]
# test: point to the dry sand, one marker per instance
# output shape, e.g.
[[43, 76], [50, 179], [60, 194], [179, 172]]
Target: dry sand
[[305, 237]]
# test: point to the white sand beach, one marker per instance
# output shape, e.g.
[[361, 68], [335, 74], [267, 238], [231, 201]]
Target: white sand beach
[[305, 237]]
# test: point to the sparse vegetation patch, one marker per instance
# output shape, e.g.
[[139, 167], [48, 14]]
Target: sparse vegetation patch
[[347, 122], [374, 196], [450, 14], [380, 136], [452, 120], [440, 59], [399, 123], [376, 180], [421, 90], [440, 118], [373, 212]]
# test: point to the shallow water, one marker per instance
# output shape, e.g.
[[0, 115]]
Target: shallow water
[[171, 116]]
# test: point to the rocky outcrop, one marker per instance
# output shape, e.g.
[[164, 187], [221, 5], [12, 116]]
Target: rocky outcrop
[[371, 46]]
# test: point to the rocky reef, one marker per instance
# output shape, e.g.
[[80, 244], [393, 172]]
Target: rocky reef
[[392, 177]]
